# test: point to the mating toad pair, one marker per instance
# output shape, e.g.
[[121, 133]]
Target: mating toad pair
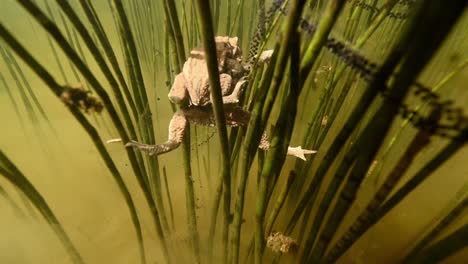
[[191, 87]]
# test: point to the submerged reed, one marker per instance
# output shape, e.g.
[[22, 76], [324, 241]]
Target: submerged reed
[[345, 76]]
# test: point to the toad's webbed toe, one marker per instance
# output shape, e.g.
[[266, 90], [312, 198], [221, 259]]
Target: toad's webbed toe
[[177, 128]]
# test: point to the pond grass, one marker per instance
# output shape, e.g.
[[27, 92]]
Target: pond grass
[[306, 36]]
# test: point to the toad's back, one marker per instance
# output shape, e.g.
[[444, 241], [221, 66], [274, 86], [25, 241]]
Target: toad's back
[[196, 76]]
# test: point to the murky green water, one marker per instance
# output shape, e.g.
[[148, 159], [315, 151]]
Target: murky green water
[[61, 161]]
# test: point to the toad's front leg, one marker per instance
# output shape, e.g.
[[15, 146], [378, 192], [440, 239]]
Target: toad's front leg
[[177, 128], [231, 97]]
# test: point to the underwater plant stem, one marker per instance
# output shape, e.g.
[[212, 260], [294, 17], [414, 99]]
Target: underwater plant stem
[[190, 198], [437, 19], [171, 14], [372, 137], [206, 26], [104, 40], [277, 153], [88, 40], [442, 225], [259, 114], [169, 200], [444, 248], [417, 144], [345, 242], [279, 202], [153, 179], [93, 134], [178, 57], [320, 37], [12, 174], [290, 27], [252, 139]]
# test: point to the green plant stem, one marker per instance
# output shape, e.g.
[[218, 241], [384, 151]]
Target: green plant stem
[[349, 126], [73, 17], [177, 42], [52, 29], [437, 32], [320, 37], [444, 248], [419, 141], [277, 153], [205, 23], [417, 144], [57, 90], [171, 14], [12, 174], [107, 48], [443, 224], [153, 179], [372, 137], [279, 202], [169, 200], [274, 212], [260, 112], [344, 243], [190, 198]]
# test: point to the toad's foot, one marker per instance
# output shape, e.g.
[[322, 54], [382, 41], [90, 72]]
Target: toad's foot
[[299, 152], [265, 56], [177, 128], [153, 149], [293, 151], [233, 98]]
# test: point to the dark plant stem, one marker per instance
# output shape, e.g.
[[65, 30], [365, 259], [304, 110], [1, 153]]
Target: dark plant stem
[[444, 248], [57, 90], [442, 225], [260, 113], [12, 174], [436, 19], [205, 23], [277, 153]]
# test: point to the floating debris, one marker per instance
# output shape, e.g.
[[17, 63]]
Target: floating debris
[[278, 242], [79, 97], [114, 140]]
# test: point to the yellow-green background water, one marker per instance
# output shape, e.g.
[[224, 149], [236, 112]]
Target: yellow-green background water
[[65, 167]]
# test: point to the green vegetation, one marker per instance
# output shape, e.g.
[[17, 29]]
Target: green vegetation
[[376, 87]]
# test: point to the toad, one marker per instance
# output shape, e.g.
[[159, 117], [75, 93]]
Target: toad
[[191, 90]]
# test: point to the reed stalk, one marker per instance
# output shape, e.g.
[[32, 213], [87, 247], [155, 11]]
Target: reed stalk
[[444, 248], [326, 23], [437, 32], [457, 143], [272, 86], [176, 38], [12, 100], [152, 179], [257, 122], [417, 144], [205, 23], [91, 131], [73, 17], [109, 51], [409, 69], [442, 225], [171, 15], [27, 103], [13, 175], [366, 99], [24, 86], [277, 153]]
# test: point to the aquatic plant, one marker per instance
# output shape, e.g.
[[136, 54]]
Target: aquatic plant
[[376, 87]]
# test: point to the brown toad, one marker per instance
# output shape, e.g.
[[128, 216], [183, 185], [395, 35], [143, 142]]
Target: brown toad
[[191, 89], [193, 82]]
